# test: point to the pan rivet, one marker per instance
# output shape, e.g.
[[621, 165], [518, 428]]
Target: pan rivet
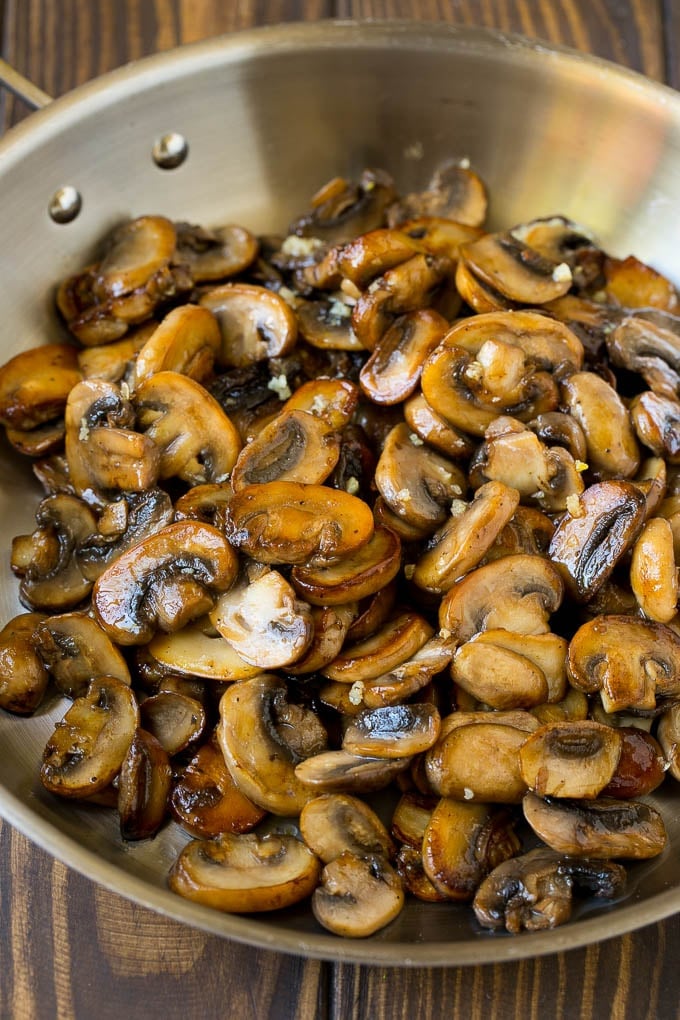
[[170, 150], [65, 204]]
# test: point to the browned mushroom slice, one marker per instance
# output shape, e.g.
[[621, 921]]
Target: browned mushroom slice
[[408, 678], [289, 522], [408, 287], [103, 451], [514, 455], [529, 531], [138, 250], [373, 613], [165, 581], [113, 361], [434, 430], [547, 652], [594, 533], [653, 571], [294, 447], [470, 391], [656, 420], [648, 343], [255, 323], [354, 577], [476, 757], [668, 735], [46, 560], [205, 800], [23, 676], [570, 759], [336, 822], [634, 284], [143, 787], [341, 209], [371, 254], [642, 765], [187, 341], [499, 677], [343, 772], [517, 593], [175, 720], [121, 525], [630, 662], [602, 829], [244, 873], [195, 651], [417, 483], [612, 449], [559, 429], [197, 441], [215, 254], [35, 384], [455, 192], [440, 236], [464, 540], [261, 762], [574, 705], [326, 324], [462, 843], [393, 370], [75, 649], [515, 270], [88, 747], [330, 627], [393, 731], [331, 400], [40, 441], [357, 895], [391, 646], [558, 238], [411, 817], [263, 620]]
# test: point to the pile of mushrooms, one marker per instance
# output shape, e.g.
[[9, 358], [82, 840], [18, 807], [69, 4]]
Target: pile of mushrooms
[[357, 555]]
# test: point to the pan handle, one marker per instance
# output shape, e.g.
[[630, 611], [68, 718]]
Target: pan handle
[[22, 87]]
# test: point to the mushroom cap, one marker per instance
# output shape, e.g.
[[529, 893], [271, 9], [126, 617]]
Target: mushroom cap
[[35, 384], [357, 895], [255, 323], [337, 822], [570, 759], [76, 649], [23, 676]]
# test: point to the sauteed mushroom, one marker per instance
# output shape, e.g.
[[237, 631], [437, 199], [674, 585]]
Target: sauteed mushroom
[[187, 341], [294, 447], [336, 822], [612, 449], [455, 192], [341, 210], [75, 649], [23, 676], [255, 323], [357, 895], [570, 759], [515, 270], [393, 731], [214, 254], [35, 384], [143, 787]]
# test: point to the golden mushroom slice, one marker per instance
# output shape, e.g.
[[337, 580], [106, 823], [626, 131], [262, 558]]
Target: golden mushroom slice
[[144, 786], [411, 817], [35, 384], [41, 441], [263, 620], [290, 522], [653, 571], [113, 361], [330, 627], [344, 772], [372, 253], [341, 209], [499, 677], [570, 759], [176, 720], [186, 341], [255, 323], [332, 400], [515, 270], [642, 764], [601, 829], [647, 343], [337, 822], [462, 843], [356, 576], [633, 284], [326, 323], [23, 676], [391, 646], [164, 582], [463, 541], [121, 525], [629, 661], [137, 251], [75, 649], [198, 650], [434, 430], [88, 747], [245, 873], [408, 678], [574, 705], [548, 652], [439, 235], [393, 370], [357, 895], [455, 192], [417, 483], [258, 753], [294, 447], [393, 731], [612, 449], [517, 593], [215, 254], [656, 420], [197, 441]]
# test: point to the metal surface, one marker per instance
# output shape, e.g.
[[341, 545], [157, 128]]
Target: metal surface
[[23, 87], [268, 116]]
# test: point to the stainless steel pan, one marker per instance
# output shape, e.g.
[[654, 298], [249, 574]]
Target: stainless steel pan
[[267, 117]]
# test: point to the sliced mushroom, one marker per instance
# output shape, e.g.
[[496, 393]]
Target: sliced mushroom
[[648, 344], [668, 734], [390, 647], [113, 361], [408, 678], [332, 400], [409, 865], [547, 652], [515, 270], [499, 677], [343, 772], [653, 571], [357, 576], [215, 254], [176, 720], [75, 649], [440, 235], [574, 705], [630, 662], [88, 747], [610, 441], [557, 238], [327, 324], [40, 441], [255, 323], [570, 759], [330, 627], [455, 192], [372, 253], [393, 370], [594, 534], [434, 430], [35, 384], [463, 541], [656, 420], [198, 651], [517, 593], [641, 767], [261, 762], [46, 560], [530, 531], [138, 249], [263, 620], [357, 895], [336, 822], [393, 731], [633, 284], [601, 829], [289, 522], [245, 873], [164, 582], [23, 676], [143, 787], [187, 341], [559, 429], [341, 209], [411, 817], [294, 447], [121, 525], [463, 843]]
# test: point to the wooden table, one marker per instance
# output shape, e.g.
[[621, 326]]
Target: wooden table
[[69, 948]]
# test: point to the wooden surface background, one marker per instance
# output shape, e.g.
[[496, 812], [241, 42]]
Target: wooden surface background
[[69, 948]]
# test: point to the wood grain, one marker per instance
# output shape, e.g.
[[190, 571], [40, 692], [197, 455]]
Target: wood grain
[[73, 950]]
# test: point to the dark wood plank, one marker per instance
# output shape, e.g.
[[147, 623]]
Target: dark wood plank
[[671, 25]]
